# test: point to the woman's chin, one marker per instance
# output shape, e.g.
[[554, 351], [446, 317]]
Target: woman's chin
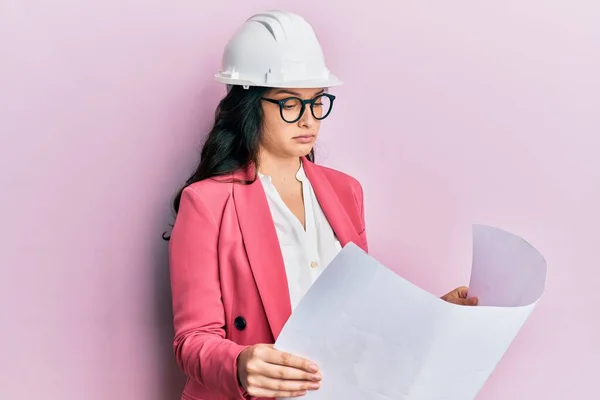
[[301, 149]]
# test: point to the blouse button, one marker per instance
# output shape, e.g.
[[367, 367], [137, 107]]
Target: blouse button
[[314, 264]]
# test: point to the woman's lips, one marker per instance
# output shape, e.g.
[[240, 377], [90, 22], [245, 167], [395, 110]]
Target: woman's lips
[[304, 138]]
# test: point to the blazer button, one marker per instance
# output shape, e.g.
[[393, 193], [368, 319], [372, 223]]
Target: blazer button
[[239, 323]]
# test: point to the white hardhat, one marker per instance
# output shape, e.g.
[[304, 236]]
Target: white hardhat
[[275, 49]]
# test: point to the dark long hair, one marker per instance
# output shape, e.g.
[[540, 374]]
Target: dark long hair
[[233, 142]]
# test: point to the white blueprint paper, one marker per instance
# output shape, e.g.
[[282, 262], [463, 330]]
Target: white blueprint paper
[[377, 336]]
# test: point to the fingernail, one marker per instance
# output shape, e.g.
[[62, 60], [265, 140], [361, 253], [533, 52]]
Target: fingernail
[[315, 385], [314, 368], [316, 377]]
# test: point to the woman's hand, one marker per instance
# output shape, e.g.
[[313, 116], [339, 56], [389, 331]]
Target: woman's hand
[[266, 372], [460, 296]]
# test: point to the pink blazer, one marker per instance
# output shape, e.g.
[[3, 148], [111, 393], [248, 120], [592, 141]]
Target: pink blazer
[[228, 280]]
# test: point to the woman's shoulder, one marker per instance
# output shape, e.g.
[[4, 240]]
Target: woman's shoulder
[[348, 190], [338, 177], [213, 192]]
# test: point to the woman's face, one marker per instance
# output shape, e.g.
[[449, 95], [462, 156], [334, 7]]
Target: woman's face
[[295, 139]]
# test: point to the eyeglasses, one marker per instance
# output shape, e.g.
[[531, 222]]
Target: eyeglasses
[[292, 108]]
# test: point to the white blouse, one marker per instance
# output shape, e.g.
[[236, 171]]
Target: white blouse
[[306, 253]]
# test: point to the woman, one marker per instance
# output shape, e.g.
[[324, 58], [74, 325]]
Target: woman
[[258, 221]]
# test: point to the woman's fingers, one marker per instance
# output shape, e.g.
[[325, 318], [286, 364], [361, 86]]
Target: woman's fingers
[[269, 373], [264, 386], [288, 373], [471, 301], [462, 292], [286, 359], [269, 394], [281, 385]]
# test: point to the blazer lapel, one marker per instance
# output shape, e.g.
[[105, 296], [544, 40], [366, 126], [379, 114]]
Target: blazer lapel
[[331, 204], [263, 251], [262, 244]]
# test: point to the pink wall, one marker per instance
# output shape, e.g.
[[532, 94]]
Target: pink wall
[[101, 107]]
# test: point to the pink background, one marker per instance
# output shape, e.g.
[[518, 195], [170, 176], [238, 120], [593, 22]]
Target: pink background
[[451, 114]]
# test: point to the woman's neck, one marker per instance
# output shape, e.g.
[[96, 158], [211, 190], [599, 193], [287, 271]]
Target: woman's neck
[[279, 167]]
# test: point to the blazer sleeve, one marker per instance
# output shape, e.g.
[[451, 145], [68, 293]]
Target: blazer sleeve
[[200, 347]]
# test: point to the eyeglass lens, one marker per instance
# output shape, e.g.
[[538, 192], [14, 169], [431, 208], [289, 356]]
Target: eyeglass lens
[[291, 108]]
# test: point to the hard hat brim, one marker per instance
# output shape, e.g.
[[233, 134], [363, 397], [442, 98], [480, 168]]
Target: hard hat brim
[[331, 81]]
